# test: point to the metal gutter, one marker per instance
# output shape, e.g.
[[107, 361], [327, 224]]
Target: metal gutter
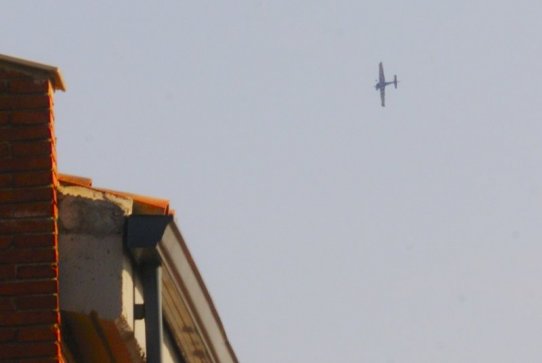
[[142, 235]]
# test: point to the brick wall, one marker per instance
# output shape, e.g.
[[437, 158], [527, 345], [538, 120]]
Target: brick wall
[[29, 315]]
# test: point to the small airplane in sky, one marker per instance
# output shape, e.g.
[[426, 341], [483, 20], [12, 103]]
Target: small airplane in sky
[[381, 84]]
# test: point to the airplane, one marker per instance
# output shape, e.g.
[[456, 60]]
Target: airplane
[[381, 84]]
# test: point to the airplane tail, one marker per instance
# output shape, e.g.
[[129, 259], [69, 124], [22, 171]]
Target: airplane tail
[[395, 81]]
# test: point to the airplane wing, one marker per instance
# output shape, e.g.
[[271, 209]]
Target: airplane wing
[[383, 96], [381, 77]]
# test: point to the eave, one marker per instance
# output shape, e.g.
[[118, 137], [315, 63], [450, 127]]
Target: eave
[[187, 304], [35, 69]]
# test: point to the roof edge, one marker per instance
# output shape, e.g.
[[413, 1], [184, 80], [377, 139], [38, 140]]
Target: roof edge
[[52, 72], [74, 180], [178, 261]]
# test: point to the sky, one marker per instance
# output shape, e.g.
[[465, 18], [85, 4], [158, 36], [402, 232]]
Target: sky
[[327, 228]]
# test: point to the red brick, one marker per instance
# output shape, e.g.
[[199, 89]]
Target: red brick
[[31, 117], [5, 150], [41, 302], [24, 102], [28, 288], [6, 304], [28, 86], [25, 195], [16, 318], [5, 242], [36, 271], [28, 255], [43, 148], [7, 272], [7, 335], [33, 241], [18, 226], [3, 86], [6, 180], [33, 132], [4, 118], [27, 210], [12, 74], [19, 350], [30, 163], [32, 179], [43, 333]]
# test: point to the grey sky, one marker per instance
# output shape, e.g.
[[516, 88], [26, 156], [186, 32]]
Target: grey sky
[[327, 228]]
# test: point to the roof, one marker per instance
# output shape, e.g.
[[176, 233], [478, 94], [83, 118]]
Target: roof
[[189, 311], [142, 204], [35, 69]]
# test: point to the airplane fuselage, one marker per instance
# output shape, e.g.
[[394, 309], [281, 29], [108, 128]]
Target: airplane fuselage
[[381, 83]]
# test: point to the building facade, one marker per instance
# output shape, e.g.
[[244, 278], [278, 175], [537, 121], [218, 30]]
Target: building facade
[[88, 274]]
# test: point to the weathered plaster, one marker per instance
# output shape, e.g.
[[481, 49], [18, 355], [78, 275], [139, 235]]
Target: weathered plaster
[[95, 272]]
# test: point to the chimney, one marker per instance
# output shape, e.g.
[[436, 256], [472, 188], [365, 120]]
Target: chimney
[[29, 314]]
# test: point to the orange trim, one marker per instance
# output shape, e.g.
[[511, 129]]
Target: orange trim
[[75, 180], [142, 204]]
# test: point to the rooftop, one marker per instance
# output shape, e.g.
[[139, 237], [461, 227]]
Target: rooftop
[[35, 69]]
